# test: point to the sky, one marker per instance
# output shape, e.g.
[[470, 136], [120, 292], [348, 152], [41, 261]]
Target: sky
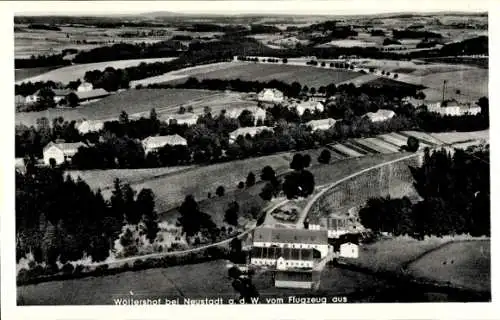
[[331, 7]]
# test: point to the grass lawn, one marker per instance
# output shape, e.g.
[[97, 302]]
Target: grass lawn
[[466, 264], [130, 101], [192, 281], [77, 71], [305, 75]]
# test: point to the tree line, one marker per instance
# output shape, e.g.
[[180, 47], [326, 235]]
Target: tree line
[[59, 219], [456, 198]]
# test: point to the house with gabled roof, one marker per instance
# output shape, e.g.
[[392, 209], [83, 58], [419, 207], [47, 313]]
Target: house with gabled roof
[[155, 143], [86, 126], [322, 124], [188, 118], [380, 115], [61, 152], [270, 96], [252, 131]]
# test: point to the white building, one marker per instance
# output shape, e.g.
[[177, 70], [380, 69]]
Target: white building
[[282, 258], [151, 144], [323, 124], [252, 131], [189, 119], [84, 87], [335, 226], [349, 250], [60, 152], [309, 105], [380, 115], [271, 96], [292, 238], [87, 126], [92, 94], [258, 113], [453, 108]]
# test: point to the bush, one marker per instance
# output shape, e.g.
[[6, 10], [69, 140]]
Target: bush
[[412, 144], [78, 269], [101, 269], [241, 185], [220, 191], [67, 268], [23, 275], [325, 156], [138, 264]]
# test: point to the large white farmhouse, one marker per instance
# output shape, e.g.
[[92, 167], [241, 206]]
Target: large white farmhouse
[[60, 152], [453, 108], [84, 87], [252, 131], [151, 144], [282, 258], [270, 96], [292, 238]]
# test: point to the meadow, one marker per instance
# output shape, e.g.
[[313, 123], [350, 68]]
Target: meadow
[[77, 71], [130, 101], [464, 264]]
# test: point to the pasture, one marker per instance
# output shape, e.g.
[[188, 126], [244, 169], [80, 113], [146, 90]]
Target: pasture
[[305, 75], [77, 71], [130, 101], [465, 264]]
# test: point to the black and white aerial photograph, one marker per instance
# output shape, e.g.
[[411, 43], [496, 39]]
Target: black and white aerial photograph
[[173, 154]]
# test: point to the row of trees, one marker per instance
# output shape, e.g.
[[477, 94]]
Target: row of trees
[[456, 198], [59, 220]]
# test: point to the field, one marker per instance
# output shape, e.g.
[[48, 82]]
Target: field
[[103, 179], [465, 264], [472, 83], [192, 281], [21, 74], [451, 137], [74, 72], [130, 101], [171, 190], [305, 75], [391, 254], [348, 43]]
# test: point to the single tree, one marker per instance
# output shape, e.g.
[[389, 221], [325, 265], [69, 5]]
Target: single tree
[[220, 191], [250, 179], [231, 216], [297, 162], [182, 110], [72, 99], [325, 156], [267, 174], [241, 185], [246, 119], [123, 118], [412, 144]]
